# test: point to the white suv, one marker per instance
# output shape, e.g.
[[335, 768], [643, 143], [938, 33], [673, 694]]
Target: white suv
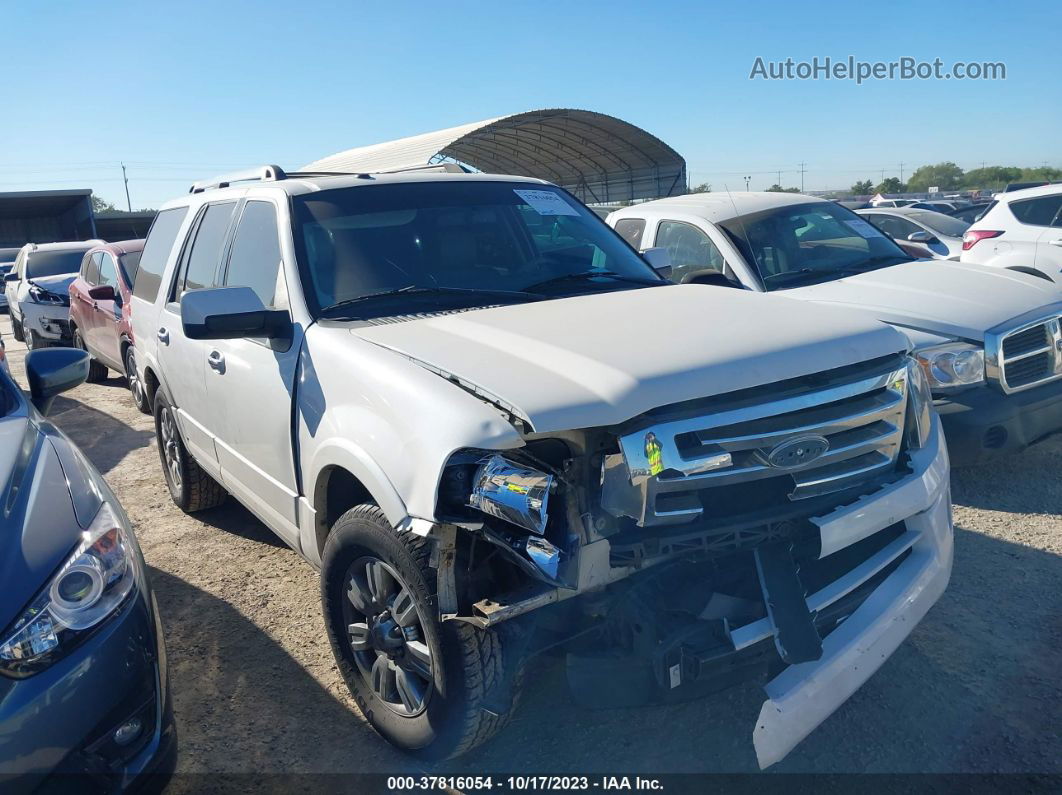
[[1020, 230], [494, 429]]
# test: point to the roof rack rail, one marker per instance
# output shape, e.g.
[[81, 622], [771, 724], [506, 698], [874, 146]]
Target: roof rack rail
[[449, 168], [260, 174]]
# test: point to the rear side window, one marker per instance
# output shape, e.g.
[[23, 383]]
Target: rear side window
[[156, 252], [91, 269], [200, 265], [630, 229], [255, 258], [1040, 211]]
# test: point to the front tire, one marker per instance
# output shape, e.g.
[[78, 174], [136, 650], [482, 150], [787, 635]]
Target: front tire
[[427, 686], [16, 329], [190, 487]]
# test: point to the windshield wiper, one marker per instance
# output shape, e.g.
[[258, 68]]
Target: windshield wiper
[[417, 290], [587, 275], [866, 265]]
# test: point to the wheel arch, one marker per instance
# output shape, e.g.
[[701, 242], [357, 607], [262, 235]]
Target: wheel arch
[[344, 478]]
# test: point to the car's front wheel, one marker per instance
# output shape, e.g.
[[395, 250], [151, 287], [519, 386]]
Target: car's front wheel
[[16, 330], [433, 688], [191, 488]]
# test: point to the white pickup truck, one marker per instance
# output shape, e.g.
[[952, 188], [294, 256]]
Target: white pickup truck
[[495, 429], [988, 339]]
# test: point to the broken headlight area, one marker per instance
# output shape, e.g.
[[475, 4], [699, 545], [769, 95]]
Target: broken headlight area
[[514, 504]]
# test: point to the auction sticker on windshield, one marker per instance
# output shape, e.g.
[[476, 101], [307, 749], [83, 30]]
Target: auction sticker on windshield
[[546, 202], [864, 228]]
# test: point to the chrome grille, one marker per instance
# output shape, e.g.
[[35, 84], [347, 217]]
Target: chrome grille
[[1030, 355], [852, 431]]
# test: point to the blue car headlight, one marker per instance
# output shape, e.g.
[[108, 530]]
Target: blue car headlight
[[91, 585]]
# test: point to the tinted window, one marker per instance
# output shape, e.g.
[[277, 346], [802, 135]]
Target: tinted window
[[941, 224], [128, 265], [457, 244], [691, 250], [156, 252], [255, 258], [53, 263], [630, 229], [895, 227], [108, 272], [201, 264], [90, 269], [1037, 212], [805, 243]]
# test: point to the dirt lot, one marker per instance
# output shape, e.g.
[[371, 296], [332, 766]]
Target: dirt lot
[[974, 689]]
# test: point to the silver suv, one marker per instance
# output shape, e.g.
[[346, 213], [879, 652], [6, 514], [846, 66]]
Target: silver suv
[[495, 429]]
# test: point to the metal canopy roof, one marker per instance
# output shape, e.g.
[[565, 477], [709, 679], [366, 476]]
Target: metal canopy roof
[[597, 157]]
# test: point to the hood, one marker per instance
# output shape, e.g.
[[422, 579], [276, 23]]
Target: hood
[[601, 359], [60, 285], [41, 528], [953, 299]]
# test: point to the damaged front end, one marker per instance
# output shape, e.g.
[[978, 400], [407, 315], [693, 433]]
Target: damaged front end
[[709, 543]]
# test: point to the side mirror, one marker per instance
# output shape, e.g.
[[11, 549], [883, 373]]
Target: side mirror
[[659, 260], [922, 236], [104, 292], [226, 313], [50, 372], [10, 277]]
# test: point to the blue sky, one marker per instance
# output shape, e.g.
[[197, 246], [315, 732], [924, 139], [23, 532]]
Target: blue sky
[[184, 90]]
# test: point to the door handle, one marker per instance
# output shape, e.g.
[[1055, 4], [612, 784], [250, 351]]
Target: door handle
[[164, 336], [216, 361], [1056, 242]]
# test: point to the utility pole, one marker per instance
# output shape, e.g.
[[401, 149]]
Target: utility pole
[[779, 182], [125, 179], [747, 183], [901, 172], [802, 170]]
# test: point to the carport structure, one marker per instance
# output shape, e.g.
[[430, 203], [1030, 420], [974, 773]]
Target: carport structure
[[597, 157]]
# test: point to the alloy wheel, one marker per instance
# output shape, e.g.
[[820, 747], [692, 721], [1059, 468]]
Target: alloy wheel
[[171, 447], [136, 387], [385, 630]]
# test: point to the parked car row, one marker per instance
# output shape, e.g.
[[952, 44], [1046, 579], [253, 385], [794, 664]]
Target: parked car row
[[497, 424]]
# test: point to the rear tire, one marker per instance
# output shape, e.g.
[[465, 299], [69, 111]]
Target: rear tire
[[97, 371], [136, 386], [190, 487], [16, 329], [470, 688]]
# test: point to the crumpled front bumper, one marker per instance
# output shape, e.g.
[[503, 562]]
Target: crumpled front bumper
[[49, 321], [803, 695]]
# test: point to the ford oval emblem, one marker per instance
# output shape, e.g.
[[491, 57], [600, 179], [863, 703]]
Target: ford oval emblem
[[797, 452]]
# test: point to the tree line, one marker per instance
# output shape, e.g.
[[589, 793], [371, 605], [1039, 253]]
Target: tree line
[[949, 177]]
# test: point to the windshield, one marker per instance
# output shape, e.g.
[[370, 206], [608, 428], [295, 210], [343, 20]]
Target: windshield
[[805, 243], [52, 263], [461, 243], [941, 224]]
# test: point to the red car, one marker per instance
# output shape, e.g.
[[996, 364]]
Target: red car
[[100, 321]]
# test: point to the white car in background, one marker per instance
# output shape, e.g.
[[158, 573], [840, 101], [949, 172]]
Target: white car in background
[[940, 234], [985, 338], [37, 291], [1020, 230]]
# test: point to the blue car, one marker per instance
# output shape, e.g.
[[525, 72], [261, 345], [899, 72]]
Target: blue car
[[84, 702]]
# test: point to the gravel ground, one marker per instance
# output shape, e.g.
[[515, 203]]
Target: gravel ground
[[974, 689]]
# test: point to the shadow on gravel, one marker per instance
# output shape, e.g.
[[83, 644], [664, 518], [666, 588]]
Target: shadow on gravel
[[105, 440], [243, 704], [1025, 483], [231, 517]]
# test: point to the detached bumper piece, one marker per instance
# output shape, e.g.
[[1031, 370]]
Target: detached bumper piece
[[795, 635]]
